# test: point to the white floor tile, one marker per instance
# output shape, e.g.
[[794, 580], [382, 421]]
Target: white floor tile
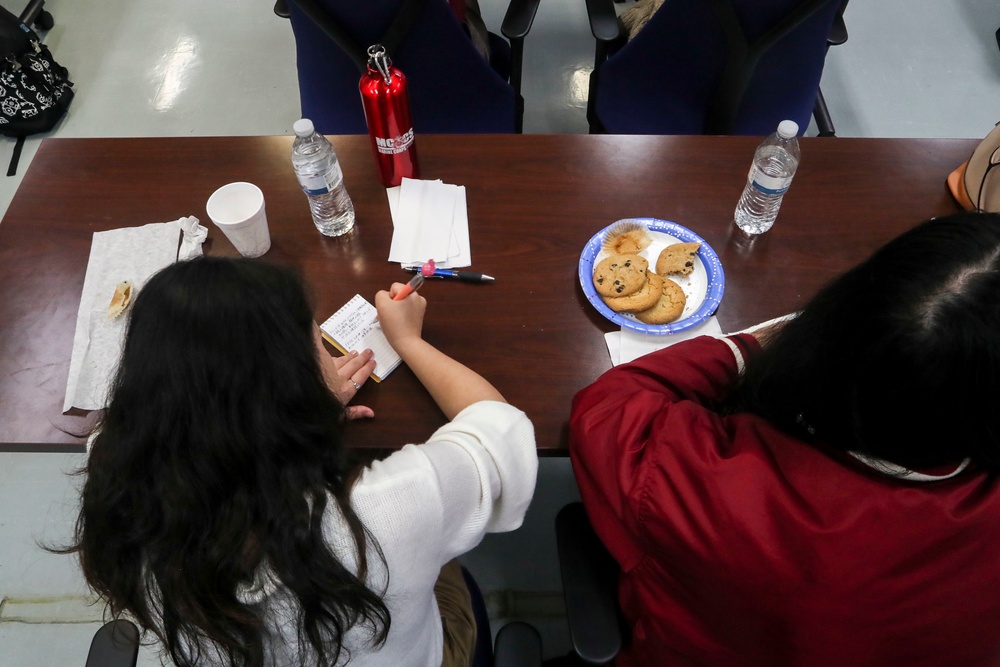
[[38, 501], [916, 69]]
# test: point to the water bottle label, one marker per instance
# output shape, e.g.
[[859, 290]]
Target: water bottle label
[[769, 185], [314, 185]]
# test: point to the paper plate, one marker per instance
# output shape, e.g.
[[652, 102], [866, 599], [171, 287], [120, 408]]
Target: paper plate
[[703, 288]]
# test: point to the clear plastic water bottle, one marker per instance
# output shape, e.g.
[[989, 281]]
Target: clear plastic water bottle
[[774, 165], [322, 180]]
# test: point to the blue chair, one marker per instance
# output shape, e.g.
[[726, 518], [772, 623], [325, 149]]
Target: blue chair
[[453, 89], [710, 66]]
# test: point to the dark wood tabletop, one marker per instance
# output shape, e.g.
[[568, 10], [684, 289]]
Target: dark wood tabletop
[[533, 201]]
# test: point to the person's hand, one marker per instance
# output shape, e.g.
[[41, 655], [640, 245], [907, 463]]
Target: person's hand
[[400, 320], [453, 385], [345, 375]]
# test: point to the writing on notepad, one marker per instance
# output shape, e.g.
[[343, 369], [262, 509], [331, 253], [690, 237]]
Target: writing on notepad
[[355, 327]]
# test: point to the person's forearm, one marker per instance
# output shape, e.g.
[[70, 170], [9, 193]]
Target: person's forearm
[[452, 385]]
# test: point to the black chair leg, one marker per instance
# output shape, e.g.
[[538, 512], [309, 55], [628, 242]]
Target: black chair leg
[[822, 116], [34, 13]]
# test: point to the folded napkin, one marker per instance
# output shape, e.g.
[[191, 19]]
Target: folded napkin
[[627, 345], [430, 221], [133, 254]]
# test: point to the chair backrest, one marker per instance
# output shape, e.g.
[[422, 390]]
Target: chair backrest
[[717, 67], [453, 89]]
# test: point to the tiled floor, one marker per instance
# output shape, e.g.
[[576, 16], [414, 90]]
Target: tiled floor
[[911, 68]]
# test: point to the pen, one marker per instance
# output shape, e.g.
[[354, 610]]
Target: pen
[[415, 282], [468, 276]]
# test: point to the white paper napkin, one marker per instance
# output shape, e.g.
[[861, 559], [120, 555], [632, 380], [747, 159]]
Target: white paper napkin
[[430, 221], [133, 254], [194, 236], [627, 345]]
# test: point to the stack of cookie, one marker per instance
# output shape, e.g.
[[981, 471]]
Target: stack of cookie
[[626, 284]]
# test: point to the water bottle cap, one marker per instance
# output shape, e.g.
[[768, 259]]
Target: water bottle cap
[[303, 127], [788, 129]]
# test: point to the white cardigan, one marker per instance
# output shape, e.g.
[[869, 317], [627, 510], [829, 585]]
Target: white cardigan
[[424, 504]]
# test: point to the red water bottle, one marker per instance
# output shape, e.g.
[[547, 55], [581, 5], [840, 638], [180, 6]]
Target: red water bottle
[[386, 99]]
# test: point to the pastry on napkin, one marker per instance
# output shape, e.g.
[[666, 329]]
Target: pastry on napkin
[[127, 255]]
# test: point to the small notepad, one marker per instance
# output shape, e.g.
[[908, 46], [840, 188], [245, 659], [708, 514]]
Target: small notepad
[[356, 327]]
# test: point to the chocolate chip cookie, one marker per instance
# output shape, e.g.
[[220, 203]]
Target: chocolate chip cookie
[[620, 275], [677, 259], [669, 306], [645, 298]]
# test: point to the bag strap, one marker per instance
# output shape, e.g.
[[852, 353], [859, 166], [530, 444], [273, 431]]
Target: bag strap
[[16, 156], [402, 23]]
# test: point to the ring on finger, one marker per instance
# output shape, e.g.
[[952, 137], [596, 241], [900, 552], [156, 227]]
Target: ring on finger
[[357, 387]]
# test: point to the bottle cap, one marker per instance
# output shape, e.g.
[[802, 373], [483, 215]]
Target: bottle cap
[[788, 129], [303, 127]]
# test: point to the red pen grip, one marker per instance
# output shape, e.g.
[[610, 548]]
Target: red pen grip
[[415, 282]]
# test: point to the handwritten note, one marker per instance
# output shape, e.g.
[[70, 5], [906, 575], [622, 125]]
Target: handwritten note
[[355, 327]]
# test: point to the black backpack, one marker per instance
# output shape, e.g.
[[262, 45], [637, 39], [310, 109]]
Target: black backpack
[[35, 90]]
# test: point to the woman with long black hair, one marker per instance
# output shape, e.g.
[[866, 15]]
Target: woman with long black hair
[[836, 502], [221, 512]]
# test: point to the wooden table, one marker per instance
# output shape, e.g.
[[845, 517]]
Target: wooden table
[[533, 201]]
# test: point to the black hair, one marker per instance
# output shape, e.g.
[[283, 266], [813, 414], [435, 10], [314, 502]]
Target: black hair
[[899, 358], [216, 458]]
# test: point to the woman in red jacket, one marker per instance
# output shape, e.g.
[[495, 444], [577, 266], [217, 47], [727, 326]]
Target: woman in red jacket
[[836, 503]]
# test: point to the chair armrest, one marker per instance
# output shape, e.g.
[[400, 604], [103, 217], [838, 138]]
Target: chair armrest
[[590, 581], [838, 32], [518, 19], [518, 644], [281, 9], [516, 24], [116, 644], [604, 23]]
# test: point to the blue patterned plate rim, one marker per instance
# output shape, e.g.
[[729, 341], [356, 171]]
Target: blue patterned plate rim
[[710, 264]]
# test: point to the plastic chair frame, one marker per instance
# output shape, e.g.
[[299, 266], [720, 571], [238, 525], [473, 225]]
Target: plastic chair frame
[[590, 588], [115, 644]]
